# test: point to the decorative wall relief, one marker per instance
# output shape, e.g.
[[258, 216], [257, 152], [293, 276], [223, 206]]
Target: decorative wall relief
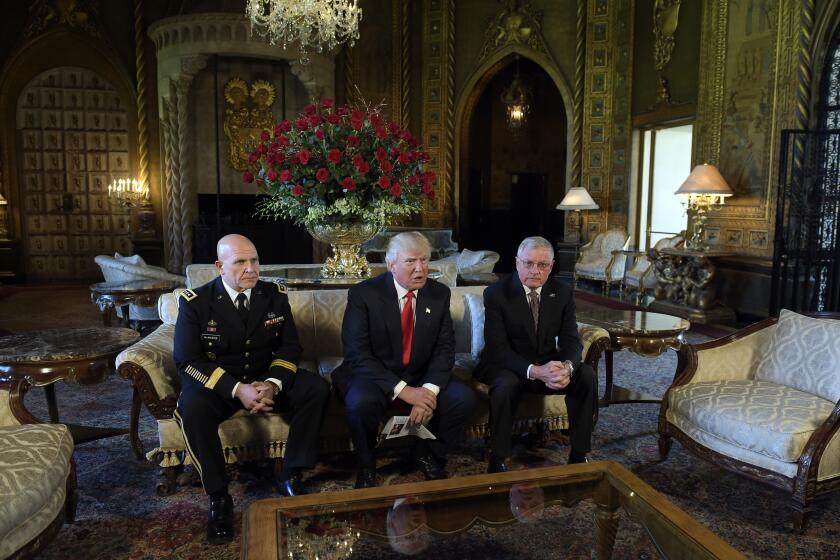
[[666, 15], [247, 114]]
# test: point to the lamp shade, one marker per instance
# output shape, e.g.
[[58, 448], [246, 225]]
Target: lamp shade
[[577, 199], [705, 179], [3, 201]]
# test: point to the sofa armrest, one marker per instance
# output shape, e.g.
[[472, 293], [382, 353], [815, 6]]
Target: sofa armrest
[[150, 367], [595, 341]]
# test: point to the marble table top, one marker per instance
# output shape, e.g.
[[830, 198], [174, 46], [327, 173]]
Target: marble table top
[[58, 345]]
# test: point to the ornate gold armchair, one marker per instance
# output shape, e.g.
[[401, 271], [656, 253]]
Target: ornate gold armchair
[[601, 259], [640, 274], [763, 402]]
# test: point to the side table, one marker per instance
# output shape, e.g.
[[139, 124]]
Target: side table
[[110, 295], [641, 332], [83, 356]]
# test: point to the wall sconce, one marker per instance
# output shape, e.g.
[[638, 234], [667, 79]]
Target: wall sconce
[[577, 199], [4, 218], [134, 195], [704, 190]]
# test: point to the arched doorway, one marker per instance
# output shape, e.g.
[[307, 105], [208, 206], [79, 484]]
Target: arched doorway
[[511, 181]]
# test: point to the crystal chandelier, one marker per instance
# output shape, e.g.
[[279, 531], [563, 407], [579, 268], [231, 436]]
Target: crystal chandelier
[[516, 98], [312, 24]]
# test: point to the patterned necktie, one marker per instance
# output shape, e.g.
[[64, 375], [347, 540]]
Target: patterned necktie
[[242, 307], [407, 323], [534, 302]]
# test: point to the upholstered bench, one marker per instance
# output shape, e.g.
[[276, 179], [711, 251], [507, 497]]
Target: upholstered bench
[[37, 486], [318, 316]]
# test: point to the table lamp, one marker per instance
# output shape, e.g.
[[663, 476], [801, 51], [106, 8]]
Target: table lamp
[[576, 199], [705, 189], [4, 225]]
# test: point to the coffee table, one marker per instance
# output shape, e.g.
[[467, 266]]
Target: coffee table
[[81, 356], [416, 517], [641, 332]]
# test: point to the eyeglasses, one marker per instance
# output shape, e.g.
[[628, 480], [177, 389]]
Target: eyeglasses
[[530, 265]]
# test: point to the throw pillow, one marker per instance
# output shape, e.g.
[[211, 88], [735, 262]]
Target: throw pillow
[[804, 353], [475, 308], [469, 259], [133, 259]]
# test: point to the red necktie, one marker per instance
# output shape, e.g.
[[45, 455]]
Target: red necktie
[[407, 322]]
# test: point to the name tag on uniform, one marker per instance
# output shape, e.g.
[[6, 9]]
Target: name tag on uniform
[[211, 337], [274, 321]]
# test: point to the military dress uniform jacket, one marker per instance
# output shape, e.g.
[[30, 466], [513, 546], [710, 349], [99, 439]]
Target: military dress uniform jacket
[[216, 349]]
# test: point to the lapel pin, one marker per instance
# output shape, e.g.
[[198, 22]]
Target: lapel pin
[[219, 296], [551, 294], [428, 310]]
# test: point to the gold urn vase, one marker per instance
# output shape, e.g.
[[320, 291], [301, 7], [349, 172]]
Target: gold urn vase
[[345, 240]]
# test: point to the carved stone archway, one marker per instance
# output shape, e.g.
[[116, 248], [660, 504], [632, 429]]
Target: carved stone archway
[[514, 31], [184, 45]]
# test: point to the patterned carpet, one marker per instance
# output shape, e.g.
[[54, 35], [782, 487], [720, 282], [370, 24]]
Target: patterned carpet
[[120, 516]]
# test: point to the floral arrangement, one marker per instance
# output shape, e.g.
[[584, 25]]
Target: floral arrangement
[[339, 164]]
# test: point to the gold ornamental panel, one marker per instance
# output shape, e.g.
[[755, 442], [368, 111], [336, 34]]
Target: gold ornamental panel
[[247, 114]]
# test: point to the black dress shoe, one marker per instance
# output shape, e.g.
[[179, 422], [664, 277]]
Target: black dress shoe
[[365, 478], [430, 467], [495, 465], [220, 520], [291, 487]]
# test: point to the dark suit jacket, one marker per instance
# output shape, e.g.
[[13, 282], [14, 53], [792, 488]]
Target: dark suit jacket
[[509, 338], [372, 336], [214, 348]]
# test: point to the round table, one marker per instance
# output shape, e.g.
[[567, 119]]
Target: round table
[[82, 356], [110, 295], [641, 332]]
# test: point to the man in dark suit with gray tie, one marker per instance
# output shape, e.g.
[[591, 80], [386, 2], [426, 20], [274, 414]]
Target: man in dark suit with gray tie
[[399, 345], [532, 345]]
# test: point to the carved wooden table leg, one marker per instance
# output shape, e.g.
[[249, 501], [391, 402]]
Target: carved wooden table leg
[[52, 404], [606, 522], [134, 424]]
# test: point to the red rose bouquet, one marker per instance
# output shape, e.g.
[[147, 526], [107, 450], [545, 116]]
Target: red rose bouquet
[[339, 164]]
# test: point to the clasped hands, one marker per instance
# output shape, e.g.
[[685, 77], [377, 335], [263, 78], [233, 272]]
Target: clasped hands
[[423, 403], [556, 375], [257, 396]]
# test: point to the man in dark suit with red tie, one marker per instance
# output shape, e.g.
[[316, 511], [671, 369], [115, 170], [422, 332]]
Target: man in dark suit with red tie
[[532, 345], [399, 345]]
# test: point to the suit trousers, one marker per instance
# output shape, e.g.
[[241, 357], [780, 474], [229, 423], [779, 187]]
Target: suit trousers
[[366, 405], [200, 411], [506, 387]]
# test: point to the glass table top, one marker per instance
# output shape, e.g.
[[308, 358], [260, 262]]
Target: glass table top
[[57, 345], [134, 286], [547, 512], [632, 322]]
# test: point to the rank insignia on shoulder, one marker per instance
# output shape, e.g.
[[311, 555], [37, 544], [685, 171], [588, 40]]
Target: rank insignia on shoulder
[[189, 295], [282, 288]]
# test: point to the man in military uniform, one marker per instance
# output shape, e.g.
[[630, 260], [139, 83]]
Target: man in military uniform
[[236, 347]]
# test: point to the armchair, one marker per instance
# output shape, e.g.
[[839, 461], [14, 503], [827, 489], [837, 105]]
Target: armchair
[[127, 269], [640, 274], [601, 259], [467, 262], [763, 402]]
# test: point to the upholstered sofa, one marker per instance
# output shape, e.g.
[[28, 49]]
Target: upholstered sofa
[[763, 402], [37, 485], [318, 316], [200, 274], [469, 262], [128, 269]]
